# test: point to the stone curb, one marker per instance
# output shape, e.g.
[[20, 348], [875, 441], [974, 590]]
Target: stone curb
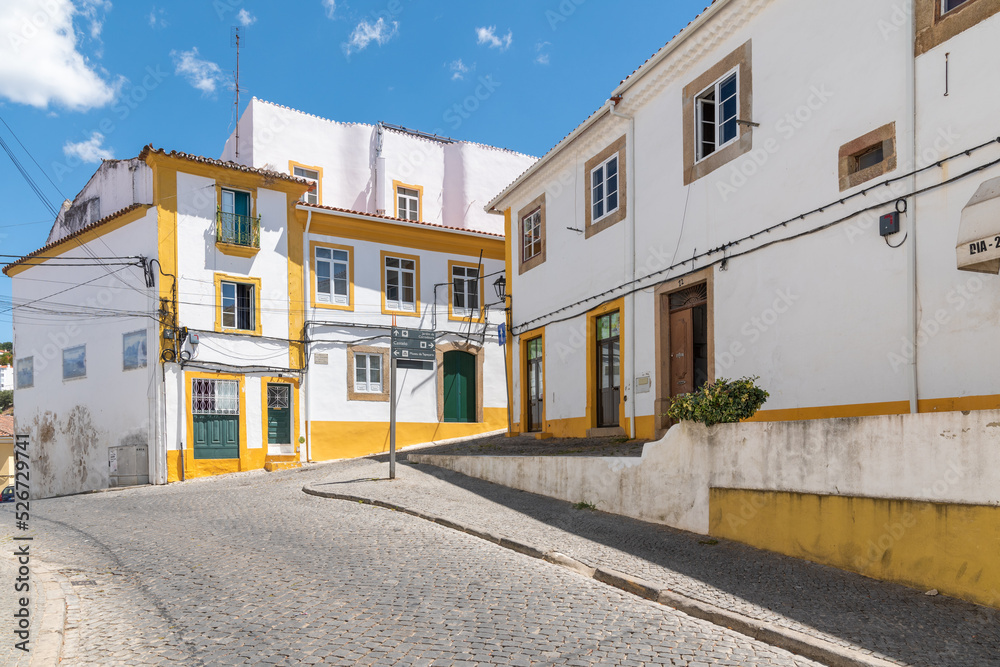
[[790, 640], [56, 616]]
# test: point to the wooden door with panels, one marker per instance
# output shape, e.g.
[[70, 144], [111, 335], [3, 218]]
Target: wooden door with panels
[[688, 339]]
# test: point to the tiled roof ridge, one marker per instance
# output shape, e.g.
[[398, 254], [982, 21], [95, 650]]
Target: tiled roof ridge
[[69, 237], [222, 163], [403, 220]]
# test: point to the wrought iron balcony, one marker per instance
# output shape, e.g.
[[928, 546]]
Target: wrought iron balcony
[[241, 230]]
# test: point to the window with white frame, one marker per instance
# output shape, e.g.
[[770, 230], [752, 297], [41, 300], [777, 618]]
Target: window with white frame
[[717, 109], [465, 291], [604, 188], [531, 232], [367, 373], [238, 306], [333, 276], [311, 196], [948, 5], [400, 284], [408, 203]]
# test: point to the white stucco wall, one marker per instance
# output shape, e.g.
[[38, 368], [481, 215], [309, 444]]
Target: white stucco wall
[[6, 378], [947, 458], [822, 319], [73, 422], [117, 184]]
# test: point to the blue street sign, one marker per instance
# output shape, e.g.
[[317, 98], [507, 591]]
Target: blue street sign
[[502, 333]]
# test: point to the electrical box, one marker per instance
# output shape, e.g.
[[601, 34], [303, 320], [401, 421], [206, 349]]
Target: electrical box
[[888, 223]]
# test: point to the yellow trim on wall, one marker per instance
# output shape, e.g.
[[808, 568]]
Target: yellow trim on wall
[[482, 295], [249, 459], [616, 305], [319, 183], [416, 284], [340, 440], [952, 548], [294, 396], [236, 250], [396, 185], [350, 275], [165, 199], [523, 341], [413, 237], [67, 244], [258, 315], [509, 357], [296, 287]]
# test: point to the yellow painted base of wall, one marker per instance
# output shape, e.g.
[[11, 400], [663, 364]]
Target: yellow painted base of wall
[[273, 466], [953, 548], [962, 403], [210, 467], [645, 427], [343, 440]]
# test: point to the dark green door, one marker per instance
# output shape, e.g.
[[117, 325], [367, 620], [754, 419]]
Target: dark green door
[[216, 436], [459, 387], [215, 419], [279, 414]]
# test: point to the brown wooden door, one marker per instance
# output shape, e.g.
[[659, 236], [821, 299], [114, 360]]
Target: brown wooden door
[[682, 378]]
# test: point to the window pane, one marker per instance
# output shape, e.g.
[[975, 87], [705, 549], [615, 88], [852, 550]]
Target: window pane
[[612, 201], [392, 262], [408, 296], [340, 255], [728, 88], [408, 264], [228, 201], [322, 253], [473, 293], [375, 369], [407, 279], [729, 131], [612, 167], [340, 287]]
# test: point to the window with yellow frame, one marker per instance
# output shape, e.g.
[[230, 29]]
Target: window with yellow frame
[[333, 276], [409, 201], [237, 304], [465, 292]]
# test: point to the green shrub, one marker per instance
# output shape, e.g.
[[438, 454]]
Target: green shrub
[[6, 399], [723, 402]]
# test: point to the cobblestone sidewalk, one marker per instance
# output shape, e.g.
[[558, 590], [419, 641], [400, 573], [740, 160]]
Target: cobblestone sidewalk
[[879, 619]]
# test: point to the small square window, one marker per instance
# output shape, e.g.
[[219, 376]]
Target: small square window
[[867, 157], [407, 203], [717, 109], [870, 157], [311, 195]]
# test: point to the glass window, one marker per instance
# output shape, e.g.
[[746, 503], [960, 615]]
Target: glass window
[[74, 362], [312, 194], [604, 189], [948, 5], [238, 307], [408, 203], [465, 290], [368, 373], [718, 109], [215, 397], [25, 373], [400, 284], [532, 235], [134, 350], [333, 276]]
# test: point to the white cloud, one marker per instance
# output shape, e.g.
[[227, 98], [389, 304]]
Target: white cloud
[[541, 48], [488, 36], [90, 150], [40, 60], [157, 18], [204, 75], [246, 18], [459, 69], [365, 33], [331, 8]]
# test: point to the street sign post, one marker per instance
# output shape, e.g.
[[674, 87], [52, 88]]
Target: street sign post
[[407, 345]]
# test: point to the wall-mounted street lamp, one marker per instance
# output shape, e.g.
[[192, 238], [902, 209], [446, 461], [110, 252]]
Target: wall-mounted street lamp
[[500, 285]]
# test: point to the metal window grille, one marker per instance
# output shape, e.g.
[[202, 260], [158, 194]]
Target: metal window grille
[[215, 397], [278, 396]]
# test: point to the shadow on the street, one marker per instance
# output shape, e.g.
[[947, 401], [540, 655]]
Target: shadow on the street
[[879, 617]]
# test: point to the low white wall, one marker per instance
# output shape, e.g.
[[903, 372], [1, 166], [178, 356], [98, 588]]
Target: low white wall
[[950, 457]]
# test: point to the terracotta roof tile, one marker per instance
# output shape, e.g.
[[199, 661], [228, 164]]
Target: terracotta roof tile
[[149, 150], [83, 230], [410, 222], [6, 425]]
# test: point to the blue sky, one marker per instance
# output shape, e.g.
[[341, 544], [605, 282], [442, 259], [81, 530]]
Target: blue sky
[[86, 79]]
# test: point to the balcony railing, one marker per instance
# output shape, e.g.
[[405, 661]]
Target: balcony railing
[[242, 230]]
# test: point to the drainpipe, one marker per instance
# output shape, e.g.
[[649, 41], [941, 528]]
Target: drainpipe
[[911, 255], [380, 174], [305, 329], [630, 181]]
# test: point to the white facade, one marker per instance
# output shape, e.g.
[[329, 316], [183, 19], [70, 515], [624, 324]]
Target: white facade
[[361, 165], [821, 308], [6, 378]]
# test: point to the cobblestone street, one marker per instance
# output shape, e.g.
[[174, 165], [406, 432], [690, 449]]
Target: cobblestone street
[[248, 569]]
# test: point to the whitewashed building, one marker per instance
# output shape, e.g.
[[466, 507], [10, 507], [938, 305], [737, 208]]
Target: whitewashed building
[[6, 378], [720, 217], [191, 316]]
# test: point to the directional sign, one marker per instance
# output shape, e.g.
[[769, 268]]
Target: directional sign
[[412, 344], [412, 334], [502, 334], [416, 355]]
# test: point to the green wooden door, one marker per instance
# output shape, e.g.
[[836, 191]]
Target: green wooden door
[[216, 436], [279, 414], [459, 387], [215, 408]]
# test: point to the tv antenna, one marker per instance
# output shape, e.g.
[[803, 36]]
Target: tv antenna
[[236, 37]]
